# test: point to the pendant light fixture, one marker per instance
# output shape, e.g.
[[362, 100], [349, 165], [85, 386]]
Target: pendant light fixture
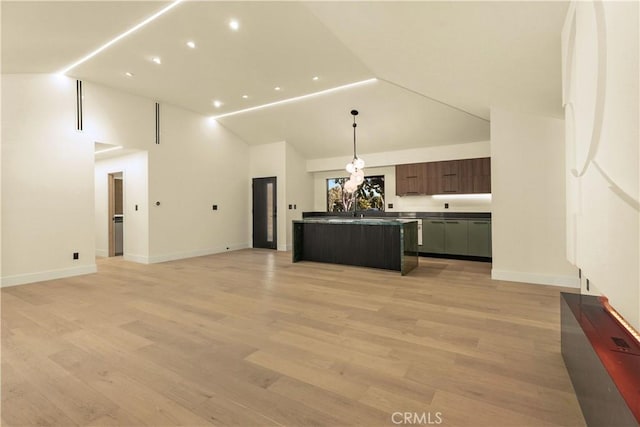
[[356, 167]]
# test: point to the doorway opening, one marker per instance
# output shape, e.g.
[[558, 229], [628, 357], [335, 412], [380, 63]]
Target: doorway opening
[[265, 213], [116, 213]]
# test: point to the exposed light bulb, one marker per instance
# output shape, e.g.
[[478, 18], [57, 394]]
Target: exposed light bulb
[[350, 168], [217, 104], [191, 44], [234, 25], [350, 186], [157, 60], [359, 163]]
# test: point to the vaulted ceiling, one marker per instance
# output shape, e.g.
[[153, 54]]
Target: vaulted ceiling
[[439, 66]]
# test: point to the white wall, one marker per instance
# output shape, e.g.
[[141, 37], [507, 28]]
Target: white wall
[[527, 183], [299, 189], [384, 164], [197, 164], [600, 85], [47, 182], [134, 168], [48, 185]]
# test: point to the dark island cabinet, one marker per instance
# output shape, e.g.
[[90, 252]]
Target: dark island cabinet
[[468, 176]]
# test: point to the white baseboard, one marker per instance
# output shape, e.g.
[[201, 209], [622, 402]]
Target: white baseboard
[[102, 253], [192, 254], [23, 279], [284, 248], [538, 279], [140, 259]]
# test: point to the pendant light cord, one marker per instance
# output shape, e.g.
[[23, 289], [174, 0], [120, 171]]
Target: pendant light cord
[[354, 113]]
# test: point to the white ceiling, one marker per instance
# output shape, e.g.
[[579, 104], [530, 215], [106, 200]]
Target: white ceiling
[[440, 65]]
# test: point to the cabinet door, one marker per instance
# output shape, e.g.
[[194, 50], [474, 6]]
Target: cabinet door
[[480, 238], [456, 237], [432, 178], [450, 176], [480, 175], [433, 236], [410, 179], [481, 169], [465, 176]]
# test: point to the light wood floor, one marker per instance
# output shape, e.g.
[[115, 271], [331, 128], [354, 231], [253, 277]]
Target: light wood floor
[[247, 338]]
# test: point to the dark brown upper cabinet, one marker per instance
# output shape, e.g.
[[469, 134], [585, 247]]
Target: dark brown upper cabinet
[[410, 179], [466, 176]]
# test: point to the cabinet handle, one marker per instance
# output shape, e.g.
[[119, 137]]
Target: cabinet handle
[[453, 222], [411, 176], [437, 222], [481, 222]]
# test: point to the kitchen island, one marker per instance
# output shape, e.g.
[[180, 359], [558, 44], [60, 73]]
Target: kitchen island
[[390, 244]]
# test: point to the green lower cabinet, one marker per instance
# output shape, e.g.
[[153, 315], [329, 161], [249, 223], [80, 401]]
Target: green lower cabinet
[[480, 238], [432, 236], [456, 237]]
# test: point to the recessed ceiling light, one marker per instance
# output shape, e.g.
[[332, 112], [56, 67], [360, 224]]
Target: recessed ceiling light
[[277, 88], [315, 78], [245, 96], [234, 25], [191, 44], [217, 104], [128, 74], [157, 60]]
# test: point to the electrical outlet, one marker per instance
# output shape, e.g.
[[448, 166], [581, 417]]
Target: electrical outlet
[[446, 205], [390, 205], [215, 207], [290, 207], [136, 207], [76, 255]]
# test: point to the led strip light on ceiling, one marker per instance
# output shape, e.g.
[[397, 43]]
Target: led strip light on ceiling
[[121, 36], [295, 98]]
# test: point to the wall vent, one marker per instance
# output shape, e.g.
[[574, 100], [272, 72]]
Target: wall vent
[[157, 123], [79, 104]]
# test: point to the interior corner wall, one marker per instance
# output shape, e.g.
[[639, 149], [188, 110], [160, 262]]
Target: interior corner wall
[[197, 164], [299, 189], [528, 200], [134, 168], [601, 96], [47, 181], [267, 160]]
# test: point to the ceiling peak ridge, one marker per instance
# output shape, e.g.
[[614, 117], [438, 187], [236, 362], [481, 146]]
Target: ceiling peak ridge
[[432, 99]]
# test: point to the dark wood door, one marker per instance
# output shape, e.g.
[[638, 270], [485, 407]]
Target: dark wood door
[[265, 213]]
